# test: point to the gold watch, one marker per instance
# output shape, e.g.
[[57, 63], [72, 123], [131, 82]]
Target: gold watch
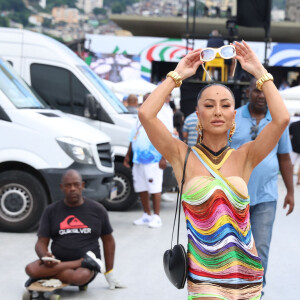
[[176, 77], [263, 79]]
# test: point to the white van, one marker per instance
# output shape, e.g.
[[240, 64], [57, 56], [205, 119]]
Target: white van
[[37, 145], [67, 83]]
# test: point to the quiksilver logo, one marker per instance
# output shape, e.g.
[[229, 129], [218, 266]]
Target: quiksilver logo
[[71, 224]]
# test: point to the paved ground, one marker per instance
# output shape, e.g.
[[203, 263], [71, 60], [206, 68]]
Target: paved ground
[[139, 259]]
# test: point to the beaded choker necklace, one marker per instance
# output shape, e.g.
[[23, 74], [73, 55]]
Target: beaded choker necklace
[[213, 152], [216, 158]]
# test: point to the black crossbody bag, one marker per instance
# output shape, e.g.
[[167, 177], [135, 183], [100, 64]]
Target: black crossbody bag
[[175, 259]]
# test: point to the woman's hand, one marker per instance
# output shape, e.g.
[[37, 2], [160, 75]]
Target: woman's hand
[[249, 60], [189, 64]]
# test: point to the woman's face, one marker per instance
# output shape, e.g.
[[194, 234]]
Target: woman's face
[[215, 110]]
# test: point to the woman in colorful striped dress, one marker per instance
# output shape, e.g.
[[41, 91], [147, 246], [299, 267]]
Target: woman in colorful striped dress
[[223, 262], [221, 249]]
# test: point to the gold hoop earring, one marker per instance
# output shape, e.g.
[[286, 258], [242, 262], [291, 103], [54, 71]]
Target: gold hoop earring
[[232, 131], [199, 129]]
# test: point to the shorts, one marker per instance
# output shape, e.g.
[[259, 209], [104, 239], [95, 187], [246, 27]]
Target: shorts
[[147, 178], [295, 158], [93, 277]]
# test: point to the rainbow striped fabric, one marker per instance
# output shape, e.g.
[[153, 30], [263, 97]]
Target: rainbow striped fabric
[[221, 249]]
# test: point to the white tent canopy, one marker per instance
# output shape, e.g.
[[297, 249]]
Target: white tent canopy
[[134, 86], [291, 97], [291, 93], [110, 84], [138, 87]]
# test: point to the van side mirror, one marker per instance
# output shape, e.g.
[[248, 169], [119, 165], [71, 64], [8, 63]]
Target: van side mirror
[[91, 107]]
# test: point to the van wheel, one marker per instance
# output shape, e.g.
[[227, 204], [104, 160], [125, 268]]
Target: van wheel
[[126, 196], [22, 201]]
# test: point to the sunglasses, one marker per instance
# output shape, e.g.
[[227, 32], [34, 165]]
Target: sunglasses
[[225, 52], [254, 132]]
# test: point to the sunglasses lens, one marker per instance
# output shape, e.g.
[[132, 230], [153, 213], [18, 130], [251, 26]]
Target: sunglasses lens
[[228, 52], [254, 132], [207, 54]]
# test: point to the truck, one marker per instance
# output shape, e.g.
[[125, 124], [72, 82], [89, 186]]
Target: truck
[[37, 146], [65, 82]]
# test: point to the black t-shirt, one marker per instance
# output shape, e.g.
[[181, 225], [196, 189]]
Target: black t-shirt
[[74, 230], [295, 136]]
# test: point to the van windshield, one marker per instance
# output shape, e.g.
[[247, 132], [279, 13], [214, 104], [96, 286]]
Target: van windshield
[[16, 90], [97, 81]]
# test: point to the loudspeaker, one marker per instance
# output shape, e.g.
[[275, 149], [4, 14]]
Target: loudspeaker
[[254, 13]]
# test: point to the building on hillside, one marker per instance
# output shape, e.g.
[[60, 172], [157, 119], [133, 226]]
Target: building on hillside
[[65, 14], [88, 5], [292, 10], [222, 5], [43, 3], [36, 20], [277, 15]]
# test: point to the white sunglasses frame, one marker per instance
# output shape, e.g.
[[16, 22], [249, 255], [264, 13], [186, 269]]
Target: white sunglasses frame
[[216, 51]]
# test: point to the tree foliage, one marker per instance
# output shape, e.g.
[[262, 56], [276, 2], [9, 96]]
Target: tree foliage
[[55, 3], [99, 11], [118, 3], [19, 12], [15, 5], [4, 22], [279, 4], [47, 23], [199, 9], [118, 8], [21, 17]]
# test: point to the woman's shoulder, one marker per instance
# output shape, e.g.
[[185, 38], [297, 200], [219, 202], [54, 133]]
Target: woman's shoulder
[[240, 154]]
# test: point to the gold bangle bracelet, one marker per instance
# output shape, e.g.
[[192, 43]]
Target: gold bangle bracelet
[[108, 271], [266, 77], [176, 77]]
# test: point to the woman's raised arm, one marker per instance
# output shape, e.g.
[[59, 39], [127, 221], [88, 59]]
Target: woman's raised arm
[[158, 134], [270, 135]]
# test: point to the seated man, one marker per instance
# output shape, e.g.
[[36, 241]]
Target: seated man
[[74, 226]]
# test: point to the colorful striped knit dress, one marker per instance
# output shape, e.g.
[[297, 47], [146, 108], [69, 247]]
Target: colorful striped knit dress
[[221, 250]]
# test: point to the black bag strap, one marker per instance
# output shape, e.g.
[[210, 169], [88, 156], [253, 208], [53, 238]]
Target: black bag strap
[[178, 202]]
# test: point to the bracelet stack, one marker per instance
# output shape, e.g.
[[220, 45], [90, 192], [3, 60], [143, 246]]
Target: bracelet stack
[[266, 77]]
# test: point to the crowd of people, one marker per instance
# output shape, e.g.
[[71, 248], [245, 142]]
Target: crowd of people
[[285, 84], [229, 198]]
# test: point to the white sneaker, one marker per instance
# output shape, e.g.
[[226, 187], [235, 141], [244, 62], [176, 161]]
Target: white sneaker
[[92, 255], [91, 262], [155, 222], [143, 220]]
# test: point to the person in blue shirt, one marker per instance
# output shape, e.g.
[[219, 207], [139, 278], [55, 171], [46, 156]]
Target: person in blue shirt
[[262, 187], [148, 166], [189, 129]]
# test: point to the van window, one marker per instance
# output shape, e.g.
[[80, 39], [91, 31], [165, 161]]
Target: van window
[[16, 90], [110, 96], [59, 88]]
